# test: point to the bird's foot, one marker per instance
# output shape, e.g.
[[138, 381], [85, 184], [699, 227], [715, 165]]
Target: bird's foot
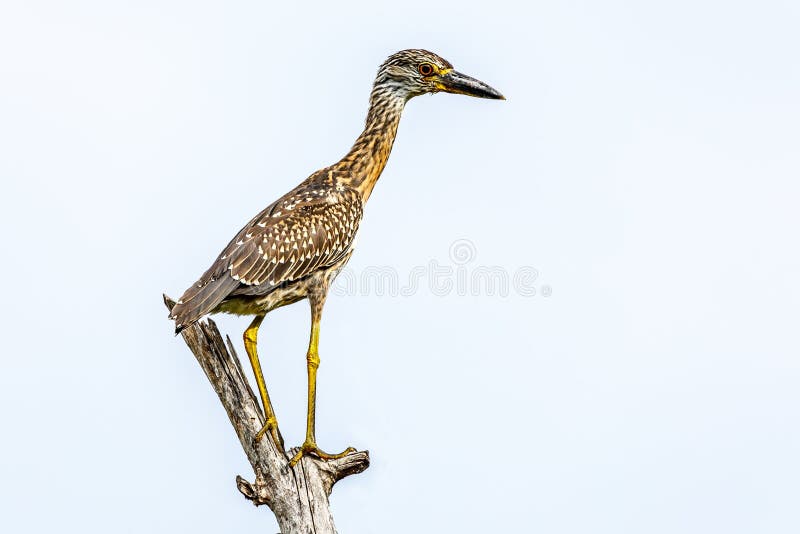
[[311, 447], [270, 426]]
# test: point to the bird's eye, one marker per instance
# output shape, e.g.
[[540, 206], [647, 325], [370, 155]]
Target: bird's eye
[[426, 69]]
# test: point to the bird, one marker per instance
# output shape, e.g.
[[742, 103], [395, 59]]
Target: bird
[[294, 248]]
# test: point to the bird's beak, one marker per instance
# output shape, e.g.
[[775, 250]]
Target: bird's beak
[[455, 82]]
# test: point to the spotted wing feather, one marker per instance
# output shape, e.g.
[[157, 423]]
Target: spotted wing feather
[[298, 236], [310, 228]]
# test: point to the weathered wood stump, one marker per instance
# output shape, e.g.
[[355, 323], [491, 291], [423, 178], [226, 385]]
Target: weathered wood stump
[[298, 496]]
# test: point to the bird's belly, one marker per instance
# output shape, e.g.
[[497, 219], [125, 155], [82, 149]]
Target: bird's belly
[[260, 304], [282, 295]]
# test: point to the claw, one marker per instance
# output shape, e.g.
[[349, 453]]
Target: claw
[[270, 426], [311, 447]]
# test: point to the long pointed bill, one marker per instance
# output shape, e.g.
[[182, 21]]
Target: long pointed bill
[[455, 82]]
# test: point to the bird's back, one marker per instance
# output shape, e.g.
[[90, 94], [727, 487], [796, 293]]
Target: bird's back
[[310, 228]]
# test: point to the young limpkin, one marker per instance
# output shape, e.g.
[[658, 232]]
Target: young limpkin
[[295, 247]]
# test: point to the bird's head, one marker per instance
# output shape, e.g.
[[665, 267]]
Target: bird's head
[[414, 72]]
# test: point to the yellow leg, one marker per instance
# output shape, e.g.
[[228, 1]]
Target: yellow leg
[[271, 423], [312, 359]]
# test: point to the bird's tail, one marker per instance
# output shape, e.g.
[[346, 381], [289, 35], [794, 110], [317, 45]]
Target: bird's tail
[[204, 295]]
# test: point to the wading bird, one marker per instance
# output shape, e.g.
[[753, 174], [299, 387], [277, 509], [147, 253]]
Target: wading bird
[[295, 247]]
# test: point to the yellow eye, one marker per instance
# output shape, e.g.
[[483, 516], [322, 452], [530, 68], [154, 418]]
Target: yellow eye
[[426, 69]]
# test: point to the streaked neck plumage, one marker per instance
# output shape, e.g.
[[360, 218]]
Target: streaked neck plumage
[[366, 160]]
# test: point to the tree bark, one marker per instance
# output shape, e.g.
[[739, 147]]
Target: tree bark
[[298, 496]]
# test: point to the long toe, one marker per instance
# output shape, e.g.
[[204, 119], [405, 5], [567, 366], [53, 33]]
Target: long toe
[[311, 448], [270, 427]]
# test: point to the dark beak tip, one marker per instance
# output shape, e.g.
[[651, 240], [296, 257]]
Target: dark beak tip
[[492, 94], [456, 82]]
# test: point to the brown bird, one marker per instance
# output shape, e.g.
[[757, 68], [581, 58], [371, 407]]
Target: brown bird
[[295, 247]]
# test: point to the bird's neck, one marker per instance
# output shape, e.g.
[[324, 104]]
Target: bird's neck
[[366, 160]]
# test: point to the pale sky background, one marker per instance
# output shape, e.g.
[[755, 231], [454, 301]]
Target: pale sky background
[[646, 164]]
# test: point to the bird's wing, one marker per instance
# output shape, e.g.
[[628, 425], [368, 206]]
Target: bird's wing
[[309, 228]]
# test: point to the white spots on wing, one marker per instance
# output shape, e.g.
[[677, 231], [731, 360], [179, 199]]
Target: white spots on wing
[[300, 241]]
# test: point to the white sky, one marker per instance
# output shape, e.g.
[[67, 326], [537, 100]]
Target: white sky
[[645, 164]]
